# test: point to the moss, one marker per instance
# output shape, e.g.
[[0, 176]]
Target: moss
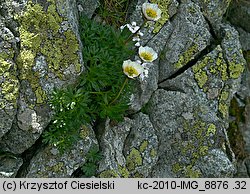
[[143, 146], [109, 174], [235, 134], [134, 159], [187, 56], [163, 5], [39, 35]]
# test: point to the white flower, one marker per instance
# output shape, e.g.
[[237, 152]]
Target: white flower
[[144, 74], [151, 11], [137, 44], [132, 69], [147, 54], [132, 27]]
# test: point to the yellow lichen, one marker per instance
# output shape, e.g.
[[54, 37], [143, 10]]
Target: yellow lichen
[[211, 129], [39, 35], [143, 146], [187, 56], [10, 84], [134, 159], [163, 5]]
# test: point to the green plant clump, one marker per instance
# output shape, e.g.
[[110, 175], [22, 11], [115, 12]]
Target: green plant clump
[[92, 158], [102, 90]]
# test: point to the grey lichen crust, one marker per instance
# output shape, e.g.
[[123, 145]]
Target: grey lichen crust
[[49, 57], [179, 113], [9, 83], [129, 149], [189, 37], [49, 162]]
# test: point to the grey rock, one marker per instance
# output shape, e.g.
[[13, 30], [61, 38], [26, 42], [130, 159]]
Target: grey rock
[[129, 149], [196, 102], [149, 28], [39, 72], [9, 166], [244, 39], [143, 140], [112, 144], [155, 35], [49, 162], [189, 37], [9, 83], [216, 165], [87, 7], [213, 10], [239, 14], [242, 170], [183, 140]]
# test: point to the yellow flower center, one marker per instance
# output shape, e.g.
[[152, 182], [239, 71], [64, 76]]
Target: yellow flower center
[[131, 71], [146, 56], [151, 12]]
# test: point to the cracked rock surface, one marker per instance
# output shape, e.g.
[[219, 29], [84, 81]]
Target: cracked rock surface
[[181, 115]]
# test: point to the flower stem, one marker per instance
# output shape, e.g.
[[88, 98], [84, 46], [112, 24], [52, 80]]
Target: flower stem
[[118, 95]]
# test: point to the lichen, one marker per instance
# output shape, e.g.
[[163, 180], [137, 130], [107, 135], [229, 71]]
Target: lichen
[[143, 146], [211, 129], [220, 67], [134, 159], [39, 35], [197, 134], [186, 56], [9, 83], [153, 153], [109, 174], [201, 77], [163, 5], [192, 173], [123, 171], [223, 108], [84, 133]]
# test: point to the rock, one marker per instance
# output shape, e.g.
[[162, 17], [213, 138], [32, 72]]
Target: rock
[[155, 36], [49, 162], [49, 58], [9, 83], [87, 7], [129, 149], [141, 148], [244, 39], [213, 10], [9, 165], [112, 144], [216, 165], [239, 14], [189, 37], [187, 129]]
